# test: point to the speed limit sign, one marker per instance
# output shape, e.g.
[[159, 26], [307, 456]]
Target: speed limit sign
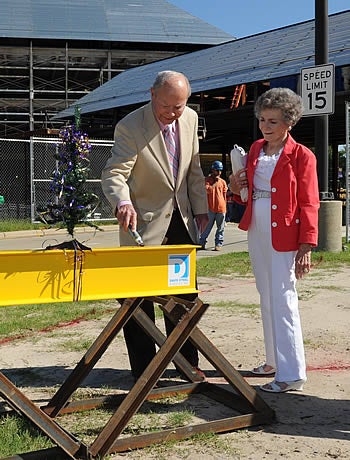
[[317, 89]]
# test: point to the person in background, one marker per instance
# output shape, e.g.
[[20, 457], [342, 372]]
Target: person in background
[[234, 211], [216, 193], [230, 204], [155, 185], [281, 218]]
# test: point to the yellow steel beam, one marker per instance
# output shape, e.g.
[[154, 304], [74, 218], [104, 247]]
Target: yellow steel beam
[[46, 276]]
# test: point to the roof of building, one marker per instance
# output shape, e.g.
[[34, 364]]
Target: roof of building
[[262, 57], [106, 20]]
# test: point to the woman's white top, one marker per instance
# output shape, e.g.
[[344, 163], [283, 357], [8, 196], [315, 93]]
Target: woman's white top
[[264, 170]]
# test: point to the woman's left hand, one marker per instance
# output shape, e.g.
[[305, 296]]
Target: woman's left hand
[[238, 181], [303, 260]]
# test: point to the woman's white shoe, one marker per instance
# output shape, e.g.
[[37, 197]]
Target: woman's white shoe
[[263, 369], [282, 387]]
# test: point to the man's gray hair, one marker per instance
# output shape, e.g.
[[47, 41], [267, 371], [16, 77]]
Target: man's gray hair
[[166, 75]]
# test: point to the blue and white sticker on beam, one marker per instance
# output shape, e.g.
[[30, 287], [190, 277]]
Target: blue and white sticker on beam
[[178, 270]]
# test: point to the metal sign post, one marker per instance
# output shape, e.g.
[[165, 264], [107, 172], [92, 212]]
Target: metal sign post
[[318, 95], [347, 182]]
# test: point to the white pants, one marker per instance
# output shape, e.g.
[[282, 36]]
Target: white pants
[[276, 283]]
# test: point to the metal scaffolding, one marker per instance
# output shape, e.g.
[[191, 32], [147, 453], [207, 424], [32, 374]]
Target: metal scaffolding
[[38, 80]]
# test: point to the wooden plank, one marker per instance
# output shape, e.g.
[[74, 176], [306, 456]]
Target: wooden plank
[[150, 376], [91, 357], [42, 421], [175, 434]]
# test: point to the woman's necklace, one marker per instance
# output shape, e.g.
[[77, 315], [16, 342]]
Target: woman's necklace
[[273, 151]]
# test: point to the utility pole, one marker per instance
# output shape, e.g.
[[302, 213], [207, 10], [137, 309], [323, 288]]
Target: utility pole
[[330, 214], [321, 121]]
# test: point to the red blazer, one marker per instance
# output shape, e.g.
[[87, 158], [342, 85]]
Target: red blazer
[[294, 196]]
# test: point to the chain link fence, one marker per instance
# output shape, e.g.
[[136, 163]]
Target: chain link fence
[[26, 167], [14, 179]]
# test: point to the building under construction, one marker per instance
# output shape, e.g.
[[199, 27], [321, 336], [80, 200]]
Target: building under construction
[[55, 52]]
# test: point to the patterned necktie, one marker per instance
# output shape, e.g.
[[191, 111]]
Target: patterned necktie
[[170, 143]]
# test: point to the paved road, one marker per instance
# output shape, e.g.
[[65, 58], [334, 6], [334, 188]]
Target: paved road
[[235, 239]]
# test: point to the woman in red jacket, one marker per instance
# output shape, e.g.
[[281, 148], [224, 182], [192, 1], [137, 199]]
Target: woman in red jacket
[[281, 218]]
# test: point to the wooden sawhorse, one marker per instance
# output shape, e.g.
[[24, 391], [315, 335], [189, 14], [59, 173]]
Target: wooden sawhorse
[[185, 316]]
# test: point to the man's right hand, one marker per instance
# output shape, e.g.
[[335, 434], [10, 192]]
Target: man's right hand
[[126, 216]]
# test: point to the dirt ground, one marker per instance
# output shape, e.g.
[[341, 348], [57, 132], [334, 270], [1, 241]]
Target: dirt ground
[[313, 424]]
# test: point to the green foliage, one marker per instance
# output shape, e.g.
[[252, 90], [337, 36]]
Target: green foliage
[[180, 418], [26, 224], [238, 263], [18, 225], [19, 436], [329, 260], [225, 264], [26, 319], [79, 344]]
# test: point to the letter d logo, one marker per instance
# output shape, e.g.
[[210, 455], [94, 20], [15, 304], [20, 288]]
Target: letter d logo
[[178, 270]]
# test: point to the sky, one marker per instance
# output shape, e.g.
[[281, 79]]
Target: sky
[[249, 17]]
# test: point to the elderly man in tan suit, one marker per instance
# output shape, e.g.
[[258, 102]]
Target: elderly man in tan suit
[[155, 184]]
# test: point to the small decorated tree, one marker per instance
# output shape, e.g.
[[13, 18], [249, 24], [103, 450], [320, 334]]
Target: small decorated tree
[[74, 203]]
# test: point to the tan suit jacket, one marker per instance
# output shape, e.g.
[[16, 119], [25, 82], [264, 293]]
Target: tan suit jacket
[[139, 170]]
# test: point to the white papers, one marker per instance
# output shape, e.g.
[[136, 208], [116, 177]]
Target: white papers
[[239, 161]]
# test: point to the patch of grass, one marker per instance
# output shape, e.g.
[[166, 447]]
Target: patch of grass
[[82, 345], [90, 393], [237, 305], [213, 441], [173, 399], [143, 423], [179, 418], [238, 263], [322, 343], [86, 425], [19, 436], [330, 287], [158, 312], [225, 264], [251, 308], [28, 319], [308, 343], [330, 260], [21, 224], [207, 444], [306, 294], [15, 225]]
